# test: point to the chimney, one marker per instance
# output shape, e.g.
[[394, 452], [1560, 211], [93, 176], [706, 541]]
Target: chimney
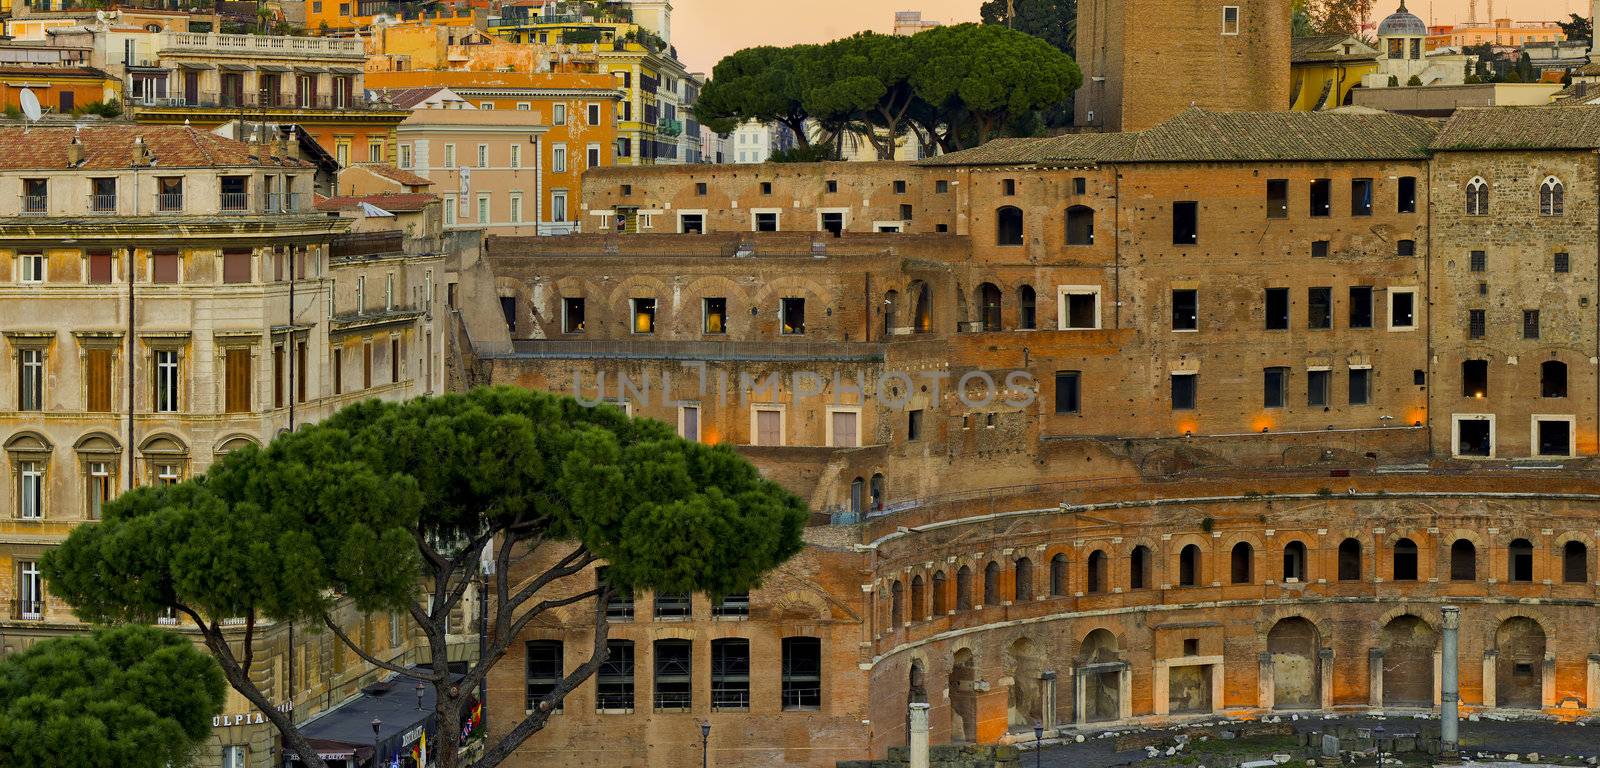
[[1594, 39], [75, 153], [141, 153]]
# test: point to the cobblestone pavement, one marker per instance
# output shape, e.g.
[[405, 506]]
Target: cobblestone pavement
[[1551, 740]]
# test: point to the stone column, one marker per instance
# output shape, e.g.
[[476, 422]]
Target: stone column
[[1047, 700], [1160, 679], [1079, 713], [1547, 682], [1489, 658], [1325, 672], [919, 735], [1592, 684], [1450, 696], [1125, 692], [1266, 688], [1375, 678]]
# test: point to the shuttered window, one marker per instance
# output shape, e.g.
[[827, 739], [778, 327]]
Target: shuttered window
[[100, 268], [394, 360], [164, 268], [338, 371], [844, 428], [238, 381], [300, 371], [769, 428], [99, 384], [277, 376], [236, 267], [366, 366]]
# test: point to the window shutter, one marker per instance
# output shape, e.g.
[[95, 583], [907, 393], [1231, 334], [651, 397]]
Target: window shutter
[[238, 381], [236, 267], [164, 267], [99, 380]]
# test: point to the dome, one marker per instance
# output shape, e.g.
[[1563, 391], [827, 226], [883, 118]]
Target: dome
[[1402, 23]]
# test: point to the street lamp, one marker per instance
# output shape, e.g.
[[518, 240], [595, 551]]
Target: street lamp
[[1038, 744], [419, 694], [1377, 734], [705, 743], [377, 725]]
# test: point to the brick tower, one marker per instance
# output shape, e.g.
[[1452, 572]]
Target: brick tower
[[1146, 60]]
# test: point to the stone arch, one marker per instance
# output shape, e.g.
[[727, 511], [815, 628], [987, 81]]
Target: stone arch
[[1025, 662], [29, 441], [1463, 560], [1191, 564], [1349, 559], [233, 443], [920, 294], [1102, 686], [1296, 561], [963, 695], [97, 443], [1520, 644], [1574, 553], [163, 444], [1241, 563], [1294, 643], [1408, 644]]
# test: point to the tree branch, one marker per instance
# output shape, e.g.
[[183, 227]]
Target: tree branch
[[339, 632]]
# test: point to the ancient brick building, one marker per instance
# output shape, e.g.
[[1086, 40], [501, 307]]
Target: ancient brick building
[[1133, 426]]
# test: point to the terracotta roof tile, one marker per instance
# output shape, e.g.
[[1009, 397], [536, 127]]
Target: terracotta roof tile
[[397, 175], [110, 147], [1560, 127], [392, 202]]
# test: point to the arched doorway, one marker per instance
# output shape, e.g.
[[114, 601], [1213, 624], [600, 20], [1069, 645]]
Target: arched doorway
[[1296, 679], [963, 698], [1519, 664], [989, 307], [1408, 644], [1026, 663], [1102, 684]]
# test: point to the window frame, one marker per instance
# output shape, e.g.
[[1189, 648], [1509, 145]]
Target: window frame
[[1063, 306], [1390, 295]]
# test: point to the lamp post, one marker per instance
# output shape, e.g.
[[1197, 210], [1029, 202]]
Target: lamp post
[[377, 725], [1038, 745], [1377, 738], [705, 743], [420, 690]]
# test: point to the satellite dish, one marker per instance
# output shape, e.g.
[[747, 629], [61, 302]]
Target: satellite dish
[[30, 105]]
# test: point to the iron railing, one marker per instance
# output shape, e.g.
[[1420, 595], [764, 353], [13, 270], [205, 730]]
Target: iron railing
[[673, 700], [235, 202], [729, 699], [802, 698], [24, 609], [732, 607], [169, 201], [35, 203], [614, 701], [103, 203]]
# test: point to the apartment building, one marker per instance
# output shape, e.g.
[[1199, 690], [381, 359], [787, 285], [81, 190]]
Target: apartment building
[[168, 296]]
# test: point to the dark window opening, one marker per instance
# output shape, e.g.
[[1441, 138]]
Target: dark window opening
[[1408, 195], [832, 185], [1183, 391], [508, 308], [1189, 566], [730, 674], [833, 223], [1476, 323], [1080, 185], [1530, 323], [1008, 225], [1475, 437], [1361, 197], [1360, 306], [1519, 564], [1185, 309], [1319, 249], [1319, 308], [1139, 565], [1058, 576], [692, 223], [1563, 263], [964, 589], [1552, 379], [1082, 312], [1317, 388], [1027, 308], [1463, 561], [699, 188], [792, 313], [1321, 197], [1008, 187], [802, 673], [1294, 562], [1574, 562], [1555, 437], [1349, 560], [899, 186], [544, 671], [914, 424], [1275, 385], [731, 606], [571, 314], [1022, 589], [991, 583], [674, 679], [1277, 309], [1360, 386], [1406, 248], [1478, 261], [989, 307], [1095, 573], [1475, 378], [766, 187], [1402, 309], [1067, 393], [1277, 198], [1242, 563], [1185, 223], [1405, 560], [1080, 225], [614, 679], [766, 222]]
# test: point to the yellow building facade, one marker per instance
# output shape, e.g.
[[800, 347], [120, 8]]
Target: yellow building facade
[[1325, 68]]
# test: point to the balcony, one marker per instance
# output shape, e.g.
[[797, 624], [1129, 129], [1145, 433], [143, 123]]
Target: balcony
[[27, 610], [669, 127], [235, 100], [263, 45], [35, 204], [234, 202], [170, 202], [103, 203], [279, 202]]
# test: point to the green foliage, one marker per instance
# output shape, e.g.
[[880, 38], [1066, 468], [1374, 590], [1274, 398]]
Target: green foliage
[[1301, 24], [106, 109], [1338, 16], [1414, 81], [761, 84], [131, 697], [813, 153], [1577, 28], [1055, 21], [13, 112], [584, 36], [988, 76]]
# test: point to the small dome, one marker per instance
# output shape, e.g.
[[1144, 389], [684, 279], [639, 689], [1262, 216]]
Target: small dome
[[1402, 23]]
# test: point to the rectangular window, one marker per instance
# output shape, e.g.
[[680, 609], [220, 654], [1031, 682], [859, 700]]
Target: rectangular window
[[714, 315], [338, 371], [592, 156], [236, 267], [1475, 378], [30, 590], [730, 674], [1184, 390], [366, 365], [1185, 223], [1360, 306], [483, 209], [166, 381], [98, 386], [1067, 392], [558, 158], [1275, 387], [914, 423], [766, 221], [1530, 323], [792, 316], [1185, 309], [405, 155], [30, 379], [1080, 185], [1408, 195], [100, 489], [941, 186], [277, 376], [1475, 323], [558, 205], [1563, 263], [516, 155], [164, 268], [234, 193], [594, 114], [1277, 309], [375, 151], [1277, 198], [1402, 309], [768, 426], [100, 268], [483, 155], [844, 429], [1360, 386], [1230, 20], [644, 315], [237, 380], [299, 372], [545, 670], [689, 422], [691, 223], [572, 314], [1008, 187], [1361, 197], [614, 679], [558, 114], [31, 268], [1479, 261], [1317, 387], [1405, 248], [394, 359], [30, 490], [515, 212], [35, 195], [802, 673], [1321, 197], [1319, 308], [1078, 308], [449, 155]]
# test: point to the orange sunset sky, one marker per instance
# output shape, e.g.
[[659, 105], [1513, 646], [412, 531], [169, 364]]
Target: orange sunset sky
[[706, 30]]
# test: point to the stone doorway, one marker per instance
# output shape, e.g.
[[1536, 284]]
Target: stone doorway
[[1519, 664], [1408, 645], [1296, 680]]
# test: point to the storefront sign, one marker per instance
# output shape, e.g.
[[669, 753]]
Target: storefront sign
[[253, 717]]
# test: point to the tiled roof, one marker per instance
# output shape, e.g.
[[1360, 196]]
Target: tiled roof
[[1201, 136], [48, 72], [406, 98], [110, 147], [1563, 127], [396, 175], [392, 202], [1325, 48]]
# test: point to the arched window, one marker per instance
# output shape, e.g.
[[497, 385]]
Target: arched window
[[922, 308], [855, 495], [1463, 561], [919, 597], [1080, 225], [1240, 562], [964, 589], [1574, 562], [1294, 562], [1552, 197], [989, 306], [894, 604], [1095, 573], [1027, 308], [891, 302], [1552, 379], [1139, 567], [941, 602], [1349, 560], [1189, 566], [1477, 197], [1405, 560], [875, 492], [1519, 558], [1023, 589], [991, 583], [1008, 225], [1058, 576]]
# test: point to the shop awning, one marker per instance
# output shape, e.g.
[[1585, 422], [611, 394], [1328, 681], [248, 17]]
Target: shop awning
[[310, 70], [404, 711]]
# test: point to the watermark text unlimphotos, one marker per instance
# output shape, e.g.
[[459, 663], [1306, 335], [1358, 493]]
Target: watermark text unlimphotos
[[696, 383]]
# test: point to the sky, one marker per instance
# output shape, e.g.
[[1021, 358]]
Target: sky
[[706, 30]]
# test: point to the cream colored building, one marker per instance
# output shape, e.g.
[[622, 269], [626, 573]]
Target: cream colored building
[[487, 166], [167, 296]]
